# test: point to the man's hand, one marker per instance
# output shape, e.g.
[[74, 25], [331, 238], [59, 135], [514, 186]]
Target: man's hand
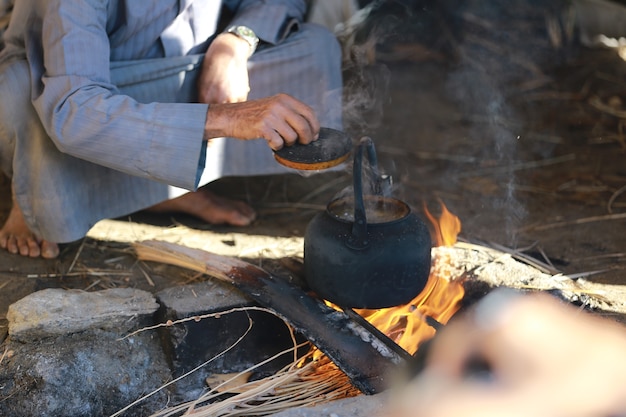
[[224, 75], [280, 120]]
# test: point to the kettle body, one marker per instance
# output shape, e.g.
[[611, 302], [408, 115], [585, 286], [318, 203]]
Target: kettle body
[[367, 251], [391, 269]]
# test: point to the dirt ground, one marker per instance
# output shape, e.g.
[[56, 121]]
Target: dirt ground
[[517, 132]]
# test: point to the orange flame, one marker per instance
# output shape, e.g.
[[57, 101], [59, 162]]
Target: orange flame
[[447, 228], [406, 324]]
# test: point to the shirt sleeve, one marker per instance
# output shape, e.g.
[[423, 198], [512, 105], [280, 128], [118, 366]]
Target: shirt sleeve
[[271, 20], [87, 117]]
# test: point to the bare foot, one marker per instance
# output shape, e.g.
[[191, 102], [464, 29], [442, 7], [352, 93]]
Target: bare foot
[[209, 207], [16, 237]]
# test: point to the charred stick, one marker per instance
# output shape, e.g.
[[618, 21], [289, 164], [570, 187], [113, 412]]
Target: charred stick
[[361, 355], [379, 335]]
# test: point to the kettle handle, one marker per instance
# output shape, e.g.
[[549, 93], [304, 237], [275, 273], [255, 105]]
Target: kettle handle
[[358, 239]]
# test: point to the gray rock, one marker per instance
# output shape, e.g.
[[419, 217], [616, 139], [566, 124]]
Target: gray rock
[[91, 373], [194, 342], [54, 312], [212, 295]]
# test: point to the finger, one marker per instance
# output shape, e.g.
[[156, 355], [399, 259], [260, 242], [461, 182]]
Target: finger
[[305, 112], [274, 140], [276, 125], [309, 115], [302, 129], [288, 135]]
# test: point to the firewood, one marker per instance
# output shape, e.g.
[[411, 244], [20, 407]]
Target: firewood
[[362, 356]]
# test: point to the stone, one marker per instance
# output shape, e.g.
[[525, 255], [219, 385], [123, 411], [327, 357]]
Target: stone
[[212, 295], [54, 312], [92, 373], [192, 343]]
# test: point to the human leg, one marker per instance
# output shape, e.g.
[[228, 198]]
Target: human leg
[[174, 80], [58, 198], [16, 235]]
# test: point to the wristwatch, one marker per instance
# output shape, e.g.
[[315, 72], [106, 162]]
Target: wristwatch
[[246, 34]]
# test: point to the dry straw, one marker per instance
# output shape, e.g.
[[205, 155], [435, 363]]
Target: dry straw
[[309, 381]]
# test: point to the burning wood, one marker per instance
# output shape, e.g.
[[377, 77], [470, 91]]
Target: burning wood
[[361, 355], [366, 350], [366, 345]]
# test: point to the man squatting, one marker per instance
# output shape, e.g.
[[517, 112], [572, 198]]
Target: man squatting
[[108, 107]]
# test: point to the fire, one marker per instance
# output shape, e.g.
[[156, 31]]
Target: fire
[[447, 228], [407, 325]]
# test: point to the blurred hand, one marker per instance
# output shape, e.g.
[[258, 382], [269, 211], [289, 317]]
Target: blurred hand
[[544, 359], [224, 74], [280, 120]]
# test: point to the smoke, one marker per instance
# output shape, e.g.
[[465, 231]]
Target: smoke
[[490, 47], [478, 90], [366, 79], [373, 28], [365, 95]]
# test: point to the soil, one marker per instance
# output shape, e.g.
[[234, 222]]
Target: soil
[[494, 119]]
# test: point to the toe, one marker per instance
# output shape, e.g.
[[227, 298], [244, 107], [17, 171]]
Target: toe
[[17, 238], [247, 211], [23, 246], [239, 219], [12, 245], [240, 214], [49, 250], [33, 248]]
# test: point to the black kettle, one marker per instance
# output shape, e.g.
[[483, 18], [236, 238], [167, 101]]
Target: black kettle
[[367, 251]]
